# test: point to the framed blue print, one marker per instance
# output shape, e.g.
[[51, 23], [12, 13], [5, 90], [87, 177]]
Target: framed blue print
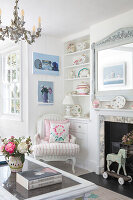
[[114, 74], [45, 92], [45, 64]]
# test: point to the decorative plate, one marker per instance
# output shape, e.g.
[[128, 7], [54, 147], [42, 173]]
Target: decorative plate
[[118, 102], [83, 72], [76, 110], [79, 46], [71, 48], [78, 60], [38, 64]]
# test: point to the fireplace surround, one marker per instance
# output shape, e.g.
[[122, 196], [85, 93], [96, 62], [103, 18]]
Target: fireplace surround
[[104, 120]]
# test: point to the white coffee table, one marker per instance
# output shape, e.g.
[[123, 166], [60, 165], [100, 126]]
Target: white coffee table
[[71, 188]]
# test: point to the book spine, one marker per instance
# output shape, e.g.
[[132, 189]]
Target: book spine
[[45, 179], [45, 183]]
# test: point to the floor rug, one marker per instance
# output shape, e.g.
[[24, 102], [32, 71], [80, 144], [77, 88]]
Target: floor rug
[[105, 194]]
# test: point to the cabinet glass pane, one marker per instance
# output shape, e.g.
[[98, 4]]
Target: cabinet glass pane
[[14, 78], [9, 76], [17, 90], [9, 60], [17, 106], [13, 60], [18, 75], [6, 91], [18, 59], [11, 82], [12, 106]]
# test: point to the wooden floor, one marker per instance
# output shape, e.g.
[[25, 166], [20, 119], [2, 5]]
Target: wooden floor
[[112, 185], [108, 189], [68, 168]]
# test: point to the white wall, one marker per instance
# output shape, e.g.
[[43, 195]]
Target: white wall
[[30, 108], [12, 127], [46, 45], [98, 32]]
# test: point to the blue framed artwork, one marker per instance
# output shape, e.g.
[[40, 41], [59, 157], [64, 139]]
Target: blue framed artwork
[[114, 75], [45, 92], [45, 64]]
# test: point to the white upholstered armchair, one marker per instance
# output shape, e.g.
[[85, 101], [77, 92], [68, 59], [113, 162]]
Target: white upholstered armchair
[[47, 151]]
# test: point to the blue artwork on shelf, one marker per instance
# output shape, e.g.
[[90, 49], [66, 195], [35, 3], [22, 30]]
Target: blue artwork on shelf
[[45, 92], [45, 64], [114, 75]]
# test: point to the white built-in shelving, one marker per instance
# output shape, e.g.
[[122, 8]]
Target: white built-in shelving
[[71, 82], [74, 79], [113, 110], [77, 52], [80, 65], [80, 95]]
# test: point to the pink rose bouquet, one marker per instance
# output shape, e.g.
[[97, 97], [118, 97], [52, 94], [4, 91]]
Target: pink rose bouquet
[[16, 147]]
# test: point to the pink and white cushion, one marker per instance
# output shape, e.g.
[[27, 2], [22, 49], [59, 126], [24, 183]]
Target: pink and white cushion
[[47, 126], [56, 149], [59, 132]]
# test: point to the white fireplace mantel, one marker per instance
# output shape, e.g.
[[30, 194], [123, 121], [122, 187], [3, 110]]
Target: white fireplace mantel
[[114, 110]]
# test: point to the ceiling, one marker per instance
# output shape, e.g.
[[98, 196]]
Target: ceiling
[[61, 18]]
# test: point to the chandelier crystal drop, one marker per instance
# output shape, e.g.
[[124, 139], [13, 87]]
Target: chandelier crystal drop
[[16, 30]]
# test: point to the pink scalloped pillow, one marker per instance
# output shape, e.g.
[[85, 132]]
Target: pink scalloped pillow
[[47, 126]]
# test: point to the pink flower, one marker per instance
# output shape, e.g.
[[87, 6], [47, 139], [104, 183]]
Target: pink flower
[[50, 91], [10, 147], [59, 130]]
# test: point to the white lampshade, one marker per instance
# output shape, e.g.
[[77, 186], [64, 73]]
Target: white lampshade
[[68, 100]]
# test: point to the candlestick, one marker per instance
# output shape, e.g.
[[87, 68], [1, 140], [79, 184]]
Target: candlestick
[[34, 29], [22, 12], [39, 22], [0, 15], [22, 15]]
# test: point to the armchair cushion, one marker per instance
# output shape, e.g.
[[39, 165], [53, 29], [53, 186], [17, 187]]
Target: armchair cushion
[[47, 125], [59, 132], [56, 149]]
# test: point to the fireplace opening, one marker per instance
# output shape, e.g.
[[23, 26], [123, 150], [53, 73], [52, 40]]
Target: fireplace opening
[[114, 131]]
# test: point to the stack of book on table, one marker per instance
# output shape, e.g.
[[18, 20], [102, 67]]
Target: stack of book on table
[[38, 178]]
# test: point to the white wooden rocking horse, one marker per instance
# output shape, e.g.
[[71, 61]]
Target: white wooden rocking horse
[[120, 158]]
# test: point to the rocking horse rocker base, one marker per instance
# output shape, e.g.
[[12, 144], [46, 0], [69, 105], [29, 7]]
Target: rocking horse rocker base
[[121, 178], [120, 158]]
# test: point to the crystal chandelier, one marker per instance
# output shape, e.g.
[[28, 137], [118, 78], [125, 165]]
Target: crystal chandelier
[[16, 30]]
